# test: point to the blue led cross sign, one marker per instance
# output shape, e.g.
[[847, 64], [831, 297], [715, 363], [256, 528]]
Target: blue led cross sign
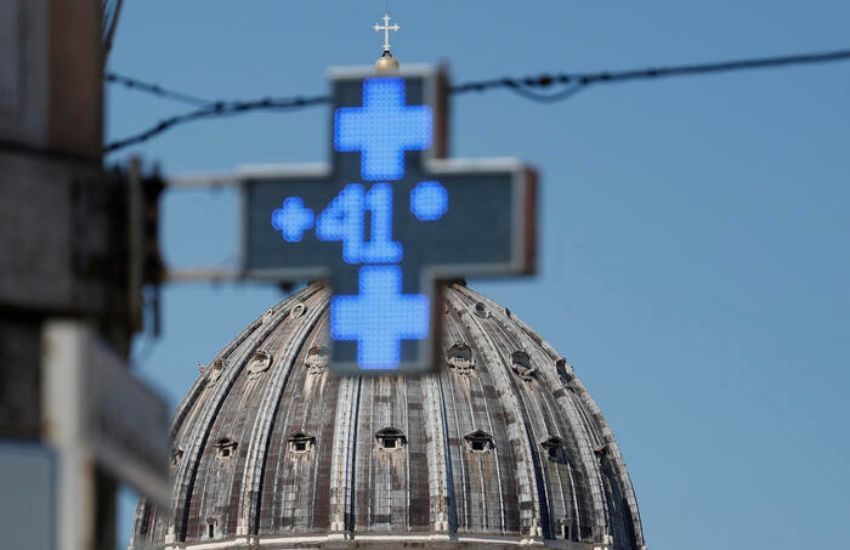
[[383, 129], [388, 220]]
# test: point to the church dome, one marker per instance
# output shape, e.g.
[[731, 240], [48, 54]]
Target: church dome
[[504, 446]]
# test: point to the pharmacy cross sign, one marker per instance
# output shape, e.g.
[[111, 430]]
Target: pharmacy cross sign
[[388, 220]]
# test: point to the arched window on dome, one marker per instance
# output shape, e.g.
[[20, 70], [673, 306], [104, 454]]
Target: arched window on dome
[[298, 310], [215, 370], [212, 528], [260, 363], [561, 369], [521, 364], [301, 443], [566, 529], [316, 360], [391, 438], [479, 441], [459, 358], [556, 449], [176, 456], [601, 452], [225, 448]]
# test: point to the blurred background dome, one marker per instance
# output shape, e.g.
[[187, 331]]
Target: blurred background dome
[[503, 446]]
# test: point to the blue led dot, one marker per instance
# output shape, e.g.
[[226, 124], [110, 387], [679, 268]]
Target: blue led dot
[[429, 201], [292, 219]]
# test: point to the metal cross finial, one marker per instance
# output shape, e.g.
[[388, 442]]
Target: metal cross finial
[[386, 28]]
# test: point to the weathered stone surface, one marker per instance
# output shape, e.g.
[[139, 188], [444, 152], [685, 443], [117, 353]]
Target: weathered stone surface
[[502, 447]]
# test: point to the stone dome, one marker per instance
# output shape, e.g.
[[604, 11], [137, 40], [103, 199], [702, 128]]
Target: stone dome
[[503, 446]]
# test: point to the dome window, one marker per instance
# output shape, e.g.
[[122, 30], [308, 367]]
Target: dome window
[[298, 310], [391, 438], [561, 368], [215, 370], [225, 448], [556, 449], [479, 441], [300, 443], [260, 362], [602, 451], [212, 528], [566, 528], [459, 358], [176, 456], [521, 364], [317, 360]]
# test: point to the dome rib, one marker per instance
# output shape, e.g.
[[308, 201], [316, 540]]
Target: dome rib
[[473, 392], [290, 477], [440, 486], [529, 502], [342, 466], [462, 392], [249, 504]]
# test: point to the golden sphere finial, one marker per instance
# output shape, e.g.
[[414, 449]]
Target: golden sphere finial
[[386, 63]]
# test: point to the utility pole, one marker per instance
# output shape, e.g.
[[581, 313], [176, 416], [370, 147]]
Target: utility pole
[[71, 271]]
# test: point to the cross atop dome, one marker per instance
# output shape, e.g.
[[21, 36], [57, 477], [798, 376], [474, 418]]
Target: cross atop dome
[[386, 63], [386, 28]]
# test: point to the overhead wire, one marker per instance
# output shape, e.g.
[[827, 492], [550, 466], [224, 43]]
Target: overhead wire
[[111, 10], [155, 89], [566, 84], [217, 109], [527, 92], [548, 80]]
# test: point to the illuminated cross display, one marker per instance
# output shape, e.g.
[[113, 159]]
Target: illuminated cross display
[[386, 28], [383, 129], [388, 220]]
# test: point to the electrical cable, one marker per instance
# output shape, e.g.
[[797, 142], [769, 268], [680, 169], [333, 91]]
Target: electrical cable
[[218, 109], [154, 89], [528, 93], [525, 87]]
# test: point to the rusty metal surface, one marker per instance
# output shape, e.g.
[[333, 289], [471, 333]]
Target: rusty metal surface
[[504, 444]]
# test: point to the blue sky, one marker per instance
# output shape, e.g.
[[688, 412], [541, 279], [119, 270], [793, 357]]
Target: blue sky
[[694, 262]]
